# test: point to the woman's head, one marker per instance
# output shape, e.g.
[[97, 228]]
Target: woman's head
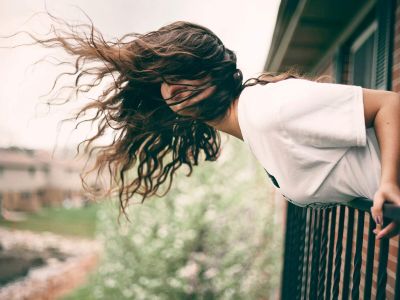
[[179, 98], [195, 71], [165, 86]]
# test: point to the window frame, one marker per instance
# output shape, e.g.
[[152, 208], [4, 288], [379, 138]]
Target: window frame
[[356, 44]]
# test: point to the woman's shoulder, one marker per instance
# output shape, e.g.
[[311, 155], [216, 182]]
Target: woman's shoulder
[[274, 90], [260, 105], [261, 99], [257, 106]]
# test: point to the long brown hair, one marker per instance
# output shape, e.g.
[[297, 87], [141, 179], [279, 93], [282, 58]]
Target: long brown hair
[[147, 134]]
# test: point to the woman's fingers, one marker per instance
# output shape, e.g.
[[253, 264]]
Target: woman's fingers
[[388, 191], [391, 230], [376, 209]]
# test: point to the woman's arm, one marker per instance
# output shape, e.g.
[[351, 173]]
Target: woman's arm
[[382, 110]]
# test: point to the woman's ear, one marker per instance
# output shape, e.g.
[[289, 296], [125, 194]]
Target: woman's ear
[[169, 90], [165, 90]]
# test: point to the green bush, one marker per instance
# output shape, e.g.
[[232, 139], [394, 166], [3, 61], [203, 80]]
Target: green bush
[[211, 237]]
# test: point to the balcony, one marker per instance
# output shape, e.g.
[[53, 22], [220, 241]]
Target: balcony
[[332, 253]]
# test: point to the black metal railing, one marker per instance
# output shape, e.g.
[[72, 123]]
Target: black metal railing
[[331, 253]]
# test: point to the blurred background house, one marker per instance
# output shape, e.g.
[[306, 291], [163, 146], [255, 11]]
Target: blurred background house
[[31, 179]]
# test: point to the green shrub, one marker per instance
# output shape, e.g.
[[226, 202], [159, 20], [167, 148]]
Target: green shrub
[[211, 237]]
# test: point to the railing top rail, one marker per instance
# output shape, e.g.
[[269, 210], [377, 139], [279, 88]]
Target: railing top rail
[[390, 210]]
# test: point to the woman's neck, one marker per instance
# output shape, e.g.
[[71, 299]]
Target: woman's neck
[[230, 123]]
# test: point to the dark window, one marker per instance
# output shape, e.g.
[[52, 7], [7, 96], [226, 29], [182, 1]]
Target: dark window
[[46, 170], [362, 64], [25, 195], [32, 171]]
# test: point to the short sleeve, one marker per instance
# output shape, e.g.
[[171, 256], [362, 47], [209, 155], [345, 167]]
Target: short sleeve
[[320, 114]]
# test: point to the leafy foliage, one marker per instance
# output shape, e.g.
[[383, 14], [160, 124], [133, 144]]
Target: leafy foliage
[[211, 237]]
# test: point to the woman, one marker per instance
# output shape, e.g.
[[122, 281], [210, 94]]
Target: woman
[[173, 89]]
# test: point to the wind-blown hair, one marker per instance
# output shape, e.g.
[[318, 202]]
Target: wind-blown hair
[[149, 138]]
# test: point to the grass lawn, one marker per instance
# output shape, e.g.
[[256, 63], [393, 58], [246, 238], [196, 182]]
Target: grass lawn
[[79, 222], [83, 292]]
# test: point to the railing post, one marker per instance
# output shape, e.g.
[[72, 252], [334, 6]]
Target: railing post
[[331, 251], [300, 263], [370, 260], [307, 261], [315, 254], [322, 262], [383, 259], [347, 261], [338, 257], [355, 293], [286, 262]]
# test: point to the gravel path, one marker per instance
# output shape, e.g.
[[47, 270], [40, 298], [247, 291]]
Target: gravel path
[[56, 277]]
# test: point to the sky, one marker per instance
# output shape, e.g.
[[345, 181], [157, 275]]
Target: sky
[[246, 27]]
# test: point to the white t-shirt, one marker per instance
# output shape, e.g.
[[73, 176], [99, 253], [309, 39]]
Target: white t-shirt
[[311, 139]]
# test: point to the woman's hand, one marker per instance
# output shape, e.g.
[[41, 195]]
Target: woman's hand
[[388, 191]]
